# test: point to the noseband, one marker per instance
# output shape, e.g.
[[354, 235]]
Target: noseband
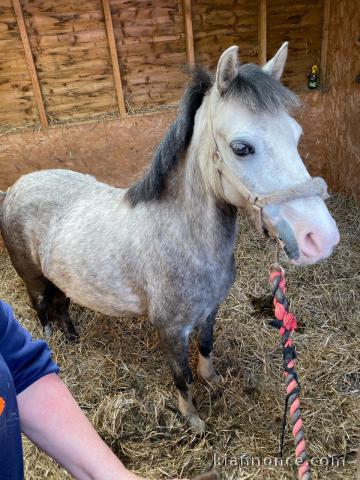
[[254, 203]]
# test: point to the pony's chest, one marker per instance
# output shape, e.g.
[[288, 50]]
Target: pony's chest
[[205, 279], [207, 288]]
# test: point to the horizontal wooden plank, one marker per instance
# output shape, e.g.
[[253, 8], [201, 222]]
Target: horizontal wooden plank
[[151, 43], [219, 24]]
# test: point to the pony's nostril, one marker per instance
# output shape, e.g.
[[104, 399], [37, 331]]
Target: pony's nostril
[[310, 239], [310, 245], [318, 243]]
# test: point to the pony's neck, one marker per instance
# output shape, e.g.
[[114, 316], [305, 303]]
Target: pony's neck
[[200, 153], [198, 196]]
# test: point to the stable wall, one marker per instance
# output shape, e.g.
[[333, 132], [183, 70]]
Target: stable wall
[[329, 117], [301, 24], [341, 159], [70, 48], [118, 151]]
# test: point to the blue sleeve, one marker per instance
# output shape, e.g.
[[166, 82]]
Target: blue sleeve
[[27, 359]]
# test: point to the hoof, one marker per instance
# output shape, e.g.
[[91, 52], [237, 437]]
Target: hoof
[[47, 332], [197, 424], [216, 379], [188, 410], [72, 337], [210, 375], [70, 331], [207, 371]]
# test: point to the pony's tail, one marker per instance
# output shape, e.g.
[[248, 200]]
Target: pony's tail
[[2, 196]]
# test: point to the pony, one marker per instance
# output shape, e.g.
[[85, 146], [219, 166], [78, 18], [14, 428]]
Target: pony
[[165, 246]]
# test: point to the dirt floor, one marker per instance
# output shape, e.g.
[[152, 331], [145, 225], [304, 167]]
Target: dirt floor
[[118, 374]]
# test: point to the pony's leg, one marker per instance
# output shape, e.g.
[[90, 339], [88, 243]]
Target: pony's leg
[[175, 346], [31, 274], [59, 312], [206, 344], [50, 304], [38, 291]]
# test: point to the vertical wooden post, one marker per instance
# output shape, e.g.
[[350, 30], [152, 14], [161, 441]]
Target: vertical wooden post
[[114, 58], [189, 32], [324, 42], [262, 31], [30, 63]]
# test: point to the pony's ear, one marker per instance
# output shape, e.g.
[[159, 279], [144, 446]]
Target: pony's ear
[[275, 66], [227, 68]]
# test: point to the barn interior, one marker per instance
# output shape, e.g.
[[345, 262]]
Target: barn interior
[[93, 86]]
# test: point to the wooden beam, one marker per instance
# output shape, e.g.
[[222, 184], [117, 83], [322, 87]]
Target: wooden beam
[[114, 58], [262, 31], [30, 63], [189, 32], [324, 42]]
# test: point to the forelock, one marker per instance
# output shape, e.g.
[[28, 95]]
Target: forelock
[[259, 91]]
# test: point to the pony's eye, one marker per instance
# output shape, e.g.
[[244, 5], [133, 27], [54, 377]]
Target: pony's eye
[[241, 149]]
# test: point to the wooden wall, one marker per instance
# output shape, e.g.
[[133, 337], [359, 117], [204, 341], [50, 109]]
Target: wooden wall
[[17, 104], [300, 23], [218, 24], [151, 44], [71, 53], [341, 161]]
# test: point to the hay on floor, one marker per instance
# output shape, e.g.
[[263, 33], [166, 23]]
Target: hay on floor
[[118, 374]]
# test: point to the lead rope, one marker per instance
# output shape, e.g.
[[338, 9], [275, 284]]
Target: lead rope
[[285, 322]]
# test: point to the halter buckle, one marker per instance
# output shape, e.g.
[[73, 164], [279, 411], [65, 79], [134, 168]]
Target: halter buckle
[[258, 217]]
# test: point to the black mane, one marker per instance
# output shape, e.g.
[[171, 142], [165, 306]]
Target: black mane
[[175, 142]]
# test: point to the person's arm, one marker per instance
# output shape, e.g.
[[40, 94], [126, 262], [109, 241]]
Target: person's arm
[[50, 418], [48, 413], [27, 359]]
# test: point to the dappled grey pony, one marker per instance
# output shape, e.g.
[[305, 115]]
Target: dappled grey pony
[[164, 247]]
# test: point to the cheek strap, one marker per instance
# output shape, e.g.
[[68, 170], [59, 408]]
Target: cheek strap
[[254, 203]]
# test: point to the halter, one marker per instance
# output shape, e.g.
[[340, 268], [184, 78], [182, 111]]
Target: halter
[[254, 203]]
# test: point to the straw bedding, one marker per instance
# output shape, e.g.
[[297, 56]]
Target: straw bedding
[[118, 373]]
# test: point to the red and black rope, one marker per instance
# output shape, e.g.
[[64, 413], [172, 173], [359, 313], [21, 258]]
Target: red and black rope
[[285, 322]]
